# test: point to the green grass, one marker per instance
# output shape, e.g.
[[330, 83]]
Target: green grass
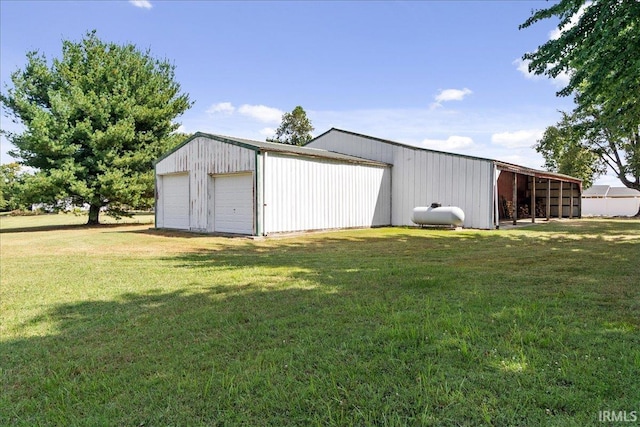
[[123, 325]]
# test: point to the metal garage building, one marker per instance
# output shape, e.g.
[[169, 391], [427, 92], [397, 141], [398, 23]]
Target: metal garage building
[[341, 179], [219, 184], [488, 191]]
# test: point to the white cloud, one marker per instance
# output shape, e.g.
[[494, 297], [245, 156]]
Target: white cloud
[[517, 139], [261, 112], [221, 107], [143, 4], [454, 142], [452, 95], [523, 66], [561, 80], [267, 132]]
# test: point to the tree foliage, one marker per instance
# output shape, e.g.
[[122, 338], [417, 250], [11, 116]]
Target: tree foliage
[[11, 182], [567, 151], [599, 47], [94, 122], [295, 128]]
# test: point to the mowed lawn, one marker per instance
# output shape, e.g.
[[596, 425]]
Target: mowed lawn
[[125, 325]]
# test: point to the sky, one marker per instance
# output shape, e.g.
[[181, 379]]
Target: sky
[[445, 75]]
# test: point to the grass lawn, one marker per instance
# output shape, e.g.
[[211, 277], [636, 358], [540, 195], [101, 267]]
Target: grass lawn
[[123, 325]]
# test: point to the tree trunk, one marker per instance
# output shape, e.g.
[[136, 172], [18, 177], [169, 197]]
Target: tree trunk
[[94, 212]]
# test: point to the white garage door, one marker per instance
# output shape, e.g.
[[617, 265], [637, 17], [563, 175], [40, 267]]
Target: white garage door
[[175, 201], [233, 204]]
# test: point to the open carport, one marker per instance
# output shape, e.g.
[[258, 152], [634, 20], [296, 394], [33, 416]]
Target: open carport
[[528, 193]]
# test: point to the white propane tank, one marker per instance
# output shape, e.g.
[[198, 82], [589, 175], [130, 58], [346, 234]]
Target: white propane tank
[[438, 215]]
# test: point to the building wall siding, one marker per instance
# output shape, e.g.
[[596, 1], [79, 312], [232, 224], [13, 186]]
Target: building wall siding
[[313, 194], [201, 158], [294, 193], [421, 177], [610, 206]]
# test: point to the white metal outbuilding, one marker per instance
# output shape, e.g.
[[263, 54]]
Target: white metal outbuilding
[[341, 179], [219, 184]]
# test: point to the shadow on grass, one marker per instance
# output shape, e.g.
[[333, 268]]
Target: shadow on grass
[[165, 232], [412, 328], [63, 227]]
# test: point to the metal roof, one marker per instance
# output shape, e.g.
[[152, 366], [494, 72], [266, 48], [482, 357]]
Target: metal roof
[[331, 155], [510, 167], [278, 148], [608, 191], [596, 191], [623, 192]]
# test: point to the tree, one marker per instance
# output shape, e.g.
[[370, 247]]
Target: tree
[[599, 46], [94, 122], [566, 150], [11, 179], [295, 128]]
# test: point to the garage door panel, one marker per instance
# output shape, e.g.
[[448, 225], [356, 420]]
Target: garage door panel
[[233, 204], [175, 201]]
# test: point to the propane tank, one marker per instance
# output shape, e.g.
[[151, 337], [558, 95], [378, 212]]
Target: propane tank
[[438, 215]]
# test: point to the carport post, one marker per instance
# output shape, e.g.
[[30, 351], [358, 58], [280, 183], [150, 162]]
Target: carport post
[[515, 198], [533, 199], [560, 201], [571, 200], [548, 199]]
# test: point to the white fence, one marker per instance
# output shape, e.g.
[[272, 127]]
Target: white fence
[[610, 206]]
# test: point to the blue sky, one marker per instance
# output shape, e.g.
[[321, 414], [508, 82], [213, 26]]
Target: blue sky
[[445, 75]]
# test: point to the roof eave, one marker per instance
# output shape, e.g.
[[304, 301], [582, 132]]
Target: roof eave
[[509, 167]]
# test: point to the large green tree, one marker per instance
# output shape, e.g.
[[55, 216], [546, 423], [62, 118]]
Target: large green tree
[[599, 47], [295, 128], [94, 121]]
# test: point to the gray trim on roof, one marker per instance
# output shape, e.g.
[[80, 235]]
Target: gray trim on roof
[[261, 146]]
